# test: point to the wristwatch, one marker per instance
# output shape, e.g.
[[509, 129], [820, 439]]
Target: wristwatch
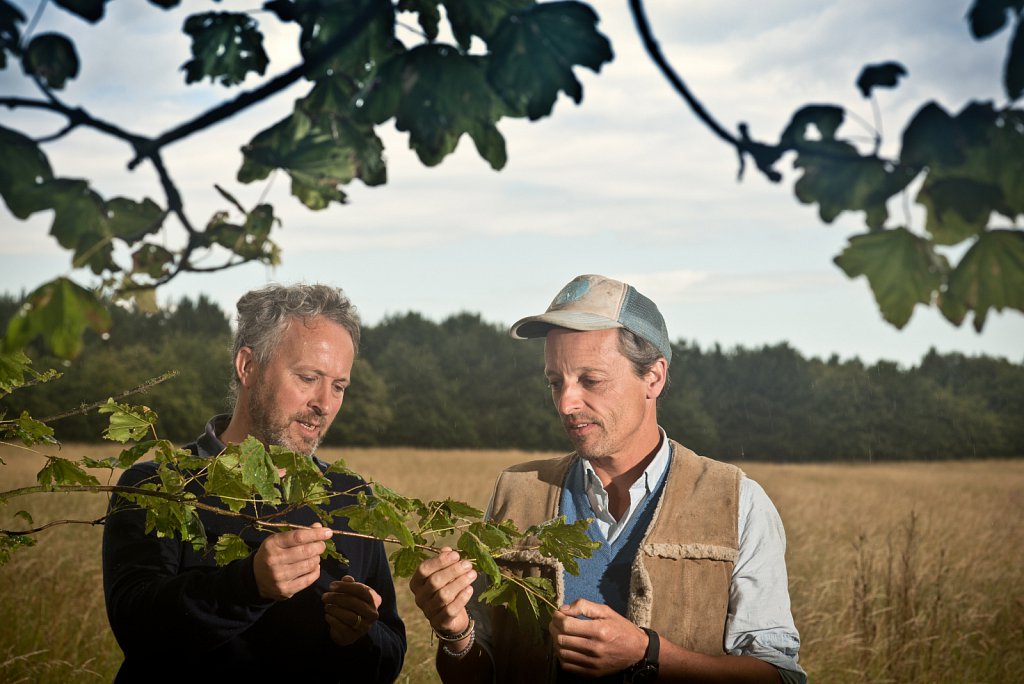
[[645, 670]]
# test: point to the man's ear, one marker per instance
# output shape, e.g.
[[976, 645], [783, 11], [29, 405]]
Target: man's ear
[[656, 377], [245, 366]]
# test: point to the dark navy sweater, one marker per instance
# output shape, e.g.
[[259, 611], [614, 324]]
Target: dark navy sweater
[[177, 616]]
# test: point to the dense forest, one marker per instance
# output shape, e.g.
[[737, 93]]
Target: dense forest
[[463, 383]]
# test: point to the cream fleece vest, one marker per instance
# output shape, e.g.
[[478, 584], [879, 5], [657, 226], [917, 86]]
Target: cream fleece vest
[[679, 584]]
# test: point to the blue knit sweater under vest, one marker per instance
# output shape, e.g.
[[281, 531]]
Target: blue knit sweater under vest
[[604, 577]]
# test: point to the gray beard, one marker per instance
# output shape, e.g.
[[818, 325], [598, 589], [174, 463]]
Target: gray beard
[[267, 431]]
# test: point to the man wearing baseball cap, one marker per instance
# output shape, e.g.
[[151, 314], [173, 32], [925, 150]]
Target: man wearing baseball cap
[[689, 583]]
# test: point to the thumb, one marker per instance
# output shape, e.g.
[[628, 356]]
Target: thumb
[[585, 608]]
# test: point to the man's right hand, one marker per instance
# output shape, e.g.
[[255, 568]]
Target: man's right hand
[[288, 562], [443, 586]]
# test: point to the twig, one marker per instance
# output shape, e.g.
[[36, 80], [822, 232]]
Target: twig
[[85, 408], [644, 28]]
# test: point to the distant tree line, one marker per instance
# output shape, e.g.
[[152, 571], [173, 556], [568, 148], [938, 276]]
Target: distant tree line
[[463, 383]]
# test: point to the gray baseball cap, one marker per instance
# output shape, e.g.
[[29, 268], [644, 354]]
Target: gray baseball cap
[[594, 302]]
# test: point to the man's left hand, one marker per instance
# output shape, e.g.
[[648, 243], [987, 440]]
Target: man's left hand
[[350, 608], [605, 644]]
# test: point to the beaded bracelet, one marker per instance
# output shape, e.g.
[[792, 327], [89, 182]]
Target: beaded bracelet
[[456, 637], [459, 654]]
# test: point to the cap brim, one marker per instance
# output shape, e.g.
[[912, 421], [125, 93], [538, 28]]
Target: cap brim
[[538, 326]]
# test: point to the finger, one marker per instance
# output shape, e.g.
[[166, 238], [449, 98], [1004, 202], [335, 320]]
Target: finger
[[446, 587], [351, 611], [347, 585], [585, 608], [345, 631], [317, 533], [430, 567]]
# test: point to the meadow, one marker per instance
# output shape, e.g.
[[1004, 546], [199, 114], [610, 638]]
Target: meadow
[[899, 572]]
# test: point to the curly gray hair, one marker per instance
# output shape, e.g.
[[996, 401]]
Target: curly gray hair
[[264, 314]]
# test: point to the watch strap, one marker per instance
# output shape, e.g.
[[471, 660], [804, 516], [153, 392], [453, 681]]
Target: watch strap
[[653, 646]]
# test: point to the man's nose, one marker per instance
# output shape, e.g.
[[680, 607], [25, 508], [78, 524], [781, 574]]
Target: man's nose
[[322, 398], [568, 399]]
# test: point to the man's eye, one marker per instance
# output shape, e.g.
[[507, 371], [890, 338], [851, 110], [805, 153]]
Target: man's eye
[[307, 378]]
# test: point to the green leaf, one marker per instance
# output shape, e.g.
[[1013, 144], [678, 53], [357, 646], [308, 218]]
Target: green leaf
[[29, 430], [502, 592], [230, 547], [401, 503], [565, 542], [957, 208], [441, 517], [331, 551], [522, 602], [930, 138], [339, 467], [171, 518], [839, 179], [437, 94], [226, 46], [989, 16], [80, 223], [24, 515], [51, 57], [357, 59], [259, 471], [303, 480], [127, 423], [10, 36], [224, 479], [472, 547], [470, 18], [59, 311], [885, 75], [130, 220], [825, 119], [534, 52], [902, 269], [11, 543], [405, 561], [90, 10], [60, 471], [14, 367], [153, 260], [318, 160], [980, 149], [990, 275], [22, 173], [234, 237], [377, 518]]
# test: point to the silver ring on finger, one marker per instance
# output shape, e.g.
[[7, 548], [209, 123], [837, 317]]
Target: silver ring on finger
[[359, 621]]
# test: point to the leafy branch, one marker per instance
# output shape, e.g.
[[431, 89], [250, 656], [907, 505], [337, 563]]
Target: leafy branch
[[360, 75], [259, 486], [967, 166]]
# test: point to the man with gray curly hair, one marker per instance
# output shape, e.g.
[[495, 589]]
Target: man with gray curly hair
[[284, 612]]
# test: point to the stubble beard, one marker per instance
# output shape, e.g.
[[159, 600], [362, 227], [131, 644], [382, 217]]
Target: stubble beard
[[272, 431]]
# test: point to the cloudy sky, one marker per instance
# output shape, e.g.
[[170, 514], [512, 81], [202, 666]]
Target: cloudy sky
[[628, 183]]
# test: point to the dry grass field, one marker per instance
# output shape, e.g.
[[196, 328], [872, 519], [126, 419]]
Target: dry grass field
[[898, 572]]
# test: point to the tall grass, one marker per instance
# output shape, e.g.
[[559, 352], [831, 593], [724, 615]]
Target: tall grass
[[898, 572]]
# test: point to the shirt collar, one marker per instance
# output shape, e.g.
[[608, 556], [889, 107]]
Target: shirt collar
[[644, 484]]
